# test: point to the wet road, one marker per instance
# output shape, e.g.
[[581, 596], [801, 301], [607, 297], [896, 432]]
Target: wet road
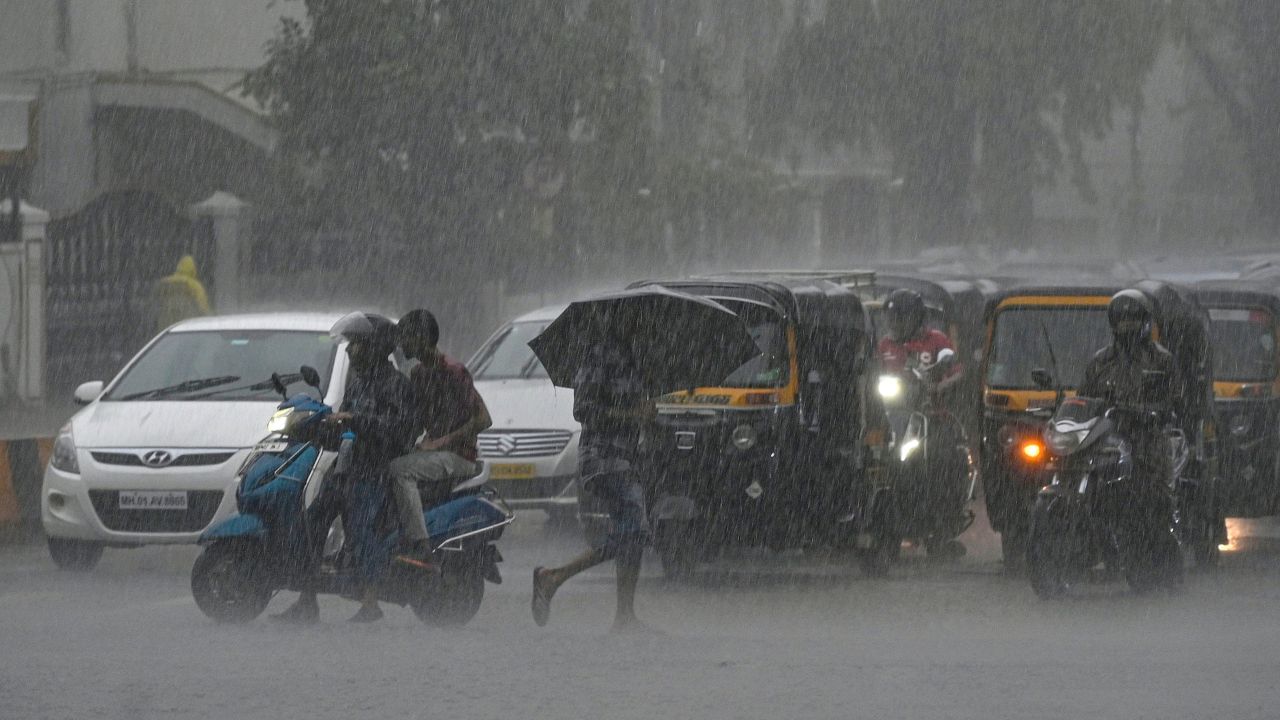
[[935, 640]]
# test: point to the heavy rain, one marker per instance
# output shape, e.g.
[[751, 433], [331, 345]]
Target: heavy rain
[[639, 358]]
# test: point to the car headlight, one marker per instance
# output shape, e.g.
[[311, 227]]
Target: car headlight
[[1241, 425], [64, 452], [744, 437], [889, 387], [908, 449], [1064, 442]]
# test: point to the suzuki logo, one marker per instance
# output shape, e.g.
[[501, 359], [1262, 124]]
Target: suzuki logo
[[506, 444], [157, 459]]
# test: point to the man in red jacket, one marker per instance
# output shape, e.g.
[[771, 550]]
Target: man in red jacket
[[907, 339]]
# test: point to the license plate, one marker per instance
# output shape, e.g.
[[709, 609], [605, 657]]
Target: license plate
[[506, 471], [153, 500]]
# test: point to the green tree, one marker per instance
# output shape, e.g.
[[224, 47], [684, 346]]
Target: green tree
[[979, 99], [1236, 45], [413, 120]]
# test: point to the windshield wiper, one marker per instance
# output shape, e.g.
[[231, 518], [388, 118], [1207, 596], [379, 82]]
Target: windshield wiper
[[263, 385], [183, 387]]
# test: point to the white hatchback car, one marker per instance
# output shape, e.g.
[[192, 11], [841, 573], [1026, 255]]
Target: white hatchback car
[[152, 459], [532, 448]]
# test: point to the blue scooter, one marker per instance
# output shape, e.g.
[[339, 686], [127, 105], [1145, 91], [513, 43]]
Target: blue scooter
[[252, 555]]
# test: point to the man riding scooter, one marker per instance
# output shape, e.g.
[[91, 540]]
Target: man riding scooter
[[907, 339], [452, 414], [377, 409]]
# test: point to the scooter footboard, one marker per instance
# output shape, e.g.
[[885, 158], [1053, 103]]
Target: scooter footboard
[[236, 526], [472, 516]]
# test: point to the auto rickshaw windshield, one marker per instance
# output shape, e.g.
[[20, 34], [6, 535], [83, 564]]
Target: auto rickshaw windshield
[[770, 368], [1246, 342], [1018, 343]]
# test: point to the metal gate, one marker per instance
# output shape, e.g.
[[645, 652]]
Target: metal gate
[[103, 262]]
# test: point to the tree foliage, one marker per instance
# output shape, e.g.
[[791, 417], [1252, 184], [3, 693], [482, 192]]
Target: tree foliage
[[413, 120], [1236, 45], [979, 99]]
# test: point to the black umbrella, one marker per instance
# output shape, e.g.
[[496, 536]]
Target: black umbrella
[[678, 340]]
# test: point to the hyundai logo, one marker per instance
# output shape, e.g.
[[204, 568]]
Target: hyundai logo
[[157, 458], [506, 444]]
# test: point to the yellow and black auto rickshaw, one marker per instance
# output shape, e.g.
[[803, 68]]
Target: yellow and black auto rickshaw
[[1243, 318], [1059, 329], [778, 455]]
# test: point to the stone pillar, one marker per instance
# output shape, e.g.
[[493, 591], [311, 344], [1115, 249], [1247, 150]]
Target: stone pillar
[[23, 261], [230, 217]]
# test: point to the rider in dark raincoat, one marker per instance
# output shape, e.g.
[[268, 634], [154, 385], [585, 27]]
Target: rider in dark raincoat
[[378, 409]]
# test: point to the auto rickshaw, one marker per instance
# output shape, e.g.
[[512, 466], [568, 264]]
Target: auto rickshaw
[[779, 455], [1059, 329], [1243, 319]]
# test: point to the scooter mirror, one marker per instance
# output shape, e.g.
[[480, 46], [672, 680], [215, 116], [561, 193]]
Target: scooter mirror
[[279, 385], [310, 376], [1042, 378], [946, 356]]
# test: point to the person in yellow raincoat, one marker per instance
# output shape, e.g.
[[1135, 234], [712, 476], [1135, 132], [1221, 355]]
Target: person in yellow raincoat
[[180, 295]]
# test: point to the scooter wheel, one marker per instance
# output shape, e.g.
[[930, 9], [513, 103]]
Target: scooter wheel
[[224, 585], [452, 599]]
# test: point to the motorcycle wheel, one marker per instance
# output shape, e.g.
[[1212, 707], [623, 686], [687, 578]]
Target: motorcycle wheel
[[223, 583], [1048, 561], [452, 599], [886, 540], [74, 555], [1162, 566]]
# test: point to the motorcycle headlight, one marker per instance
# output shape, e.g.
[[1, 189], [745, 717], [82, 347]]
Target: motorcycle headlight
[[63, 456], [1241, 425], [889, 387], [1064, 443], [744, 437], [908, 448]]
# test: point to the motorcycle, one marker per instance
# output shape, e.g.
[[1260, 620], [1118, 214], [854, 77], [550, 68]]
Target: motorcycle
[[252, 555], [1096, 511], [930, 476]]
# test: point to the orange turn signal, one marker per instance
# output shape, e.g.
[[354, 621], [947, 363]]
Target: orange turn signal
[[1032, 450]]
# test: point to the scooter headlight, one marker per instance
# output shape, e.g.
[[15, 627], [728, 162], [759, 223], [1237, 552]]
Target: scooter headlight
[[889, 387], [287, 421], [744, 437]]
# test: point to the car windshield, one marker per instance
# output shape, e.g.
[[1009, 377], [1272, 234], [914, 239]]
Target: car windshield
[[1018, 344], [224, 365], [1244, 344], [769, 368], [508, 355]]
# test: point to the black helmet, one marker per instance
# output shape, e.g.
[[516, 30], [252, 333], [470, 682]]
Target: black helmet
[[375, 330], [903, 314], [1131, 314]]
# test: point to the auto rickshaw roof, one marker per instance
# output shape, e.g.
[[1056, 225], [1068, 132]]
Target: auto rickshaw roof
[[1239, 293], [815, 298]]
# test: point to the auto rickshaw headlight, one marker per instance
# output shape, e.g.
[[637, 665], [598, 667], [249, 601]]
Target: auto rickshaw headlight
[[744, 437], [1241, 425], [889, 387]]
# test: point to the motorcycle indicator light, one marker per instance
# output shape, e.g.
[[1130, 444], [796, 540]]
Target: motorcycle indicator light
[[1032, 450]]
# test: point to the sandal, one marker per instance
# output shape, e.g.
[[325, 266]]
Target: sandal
[[542, 594]]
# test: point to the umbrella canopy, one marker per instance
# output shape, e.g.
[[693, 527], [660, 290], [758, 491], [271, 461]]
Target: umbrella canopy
[[678, 340]]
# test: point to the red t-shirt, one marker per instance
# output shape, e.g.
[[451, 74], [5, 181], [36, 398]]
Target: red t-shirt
[[924, 347], [446, 398]]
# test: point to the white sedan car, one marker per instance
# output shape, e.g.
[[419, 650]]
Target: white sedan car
[[532, 448], [152, 459]]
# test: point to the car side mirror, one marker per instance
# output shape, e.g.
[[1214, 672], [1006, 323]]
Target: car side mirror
[[88, 392], [310, 376], [1042, 378]]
